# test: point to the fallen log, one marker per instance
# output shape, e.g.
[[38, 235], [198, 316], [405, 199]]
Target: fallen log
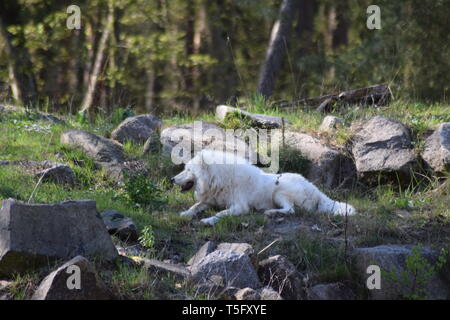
[[379, 94]]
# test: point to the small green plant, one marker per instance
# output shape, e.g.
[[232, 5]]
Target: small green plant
[[140, 191], [121, 114], [237, 120], [417, 273], [147, 238], [82, 117]]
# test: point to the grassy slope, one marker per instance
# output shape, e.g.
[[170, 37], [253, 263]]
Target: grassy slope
[[386, 215]]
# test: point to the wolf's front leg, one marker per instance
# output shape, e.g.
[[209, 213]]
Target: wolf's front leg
[[194, 210], [235, 210]]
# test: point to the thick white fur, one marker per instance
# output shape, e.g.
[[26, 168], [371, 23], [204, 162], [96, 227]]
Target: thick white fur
[[237, 187]]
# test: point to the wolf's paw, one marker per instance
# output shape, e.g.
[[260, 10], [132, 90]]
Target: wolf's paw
[[271, 213], [210, 221], [276, 212], [187, 214]]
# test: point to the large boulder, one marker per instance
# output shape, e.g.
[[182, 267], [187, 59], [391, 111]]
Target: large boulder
[[234, 267], [280, 274], [194, 137], [137, 129], [238, 247], [97, 147], [46, 170], [436, 152], [31, 235], [330, 291], [257, 120], [204, 250], [397, 278], [382, 149], [119, 225], [327, 166], [62, 284]]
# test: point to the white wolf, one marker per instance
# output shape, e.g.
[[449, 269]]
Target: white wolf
[[226, 181]]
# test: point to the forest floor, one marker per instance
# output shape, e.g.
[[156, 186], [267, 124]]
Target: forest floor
[[316, 244]]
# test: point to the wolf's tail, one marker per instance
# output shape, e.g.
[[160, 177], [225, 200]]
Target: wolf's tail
[[329, 206]]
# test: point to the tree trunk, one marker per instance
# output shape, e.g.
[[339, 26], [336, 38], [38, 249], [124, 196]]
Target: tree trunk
[[150, 91], [276, 48], [200, 27], [22, 82], [89, 96], [340, 32], [188, 72]]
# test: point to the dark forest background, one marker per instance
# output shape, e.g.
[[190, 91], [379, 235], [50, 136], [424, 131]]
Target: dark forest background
[[165, 55]]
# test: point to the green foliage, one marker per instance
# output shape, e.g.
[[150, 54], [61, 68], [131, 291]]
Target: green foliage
[[236, 120], [147, 238], [140, 191], [82, 117], [417, 273], [121, 114]]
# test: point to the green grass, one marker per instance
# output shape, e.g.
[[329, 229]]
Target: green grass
[[427, 217]]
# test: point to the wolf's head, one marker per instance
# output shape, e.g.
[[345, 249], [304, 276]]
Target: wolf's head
[[193, 171], [206, 170]]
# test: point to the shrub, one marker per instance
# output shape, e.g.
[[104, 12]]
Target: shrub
[[139, 190]]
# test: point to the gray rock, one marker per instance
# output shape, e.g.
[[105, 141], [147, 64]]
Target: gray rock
[[267, 293], [119, 172], [61, 174], [280, 274], [97, 147], [31, 235], [48, 170], [327, 167], [160, 267], [202, 135], [137, 129], [437, 149], [331, 123], [34, 114], [392, 260], [204, 250], [382, 149], [244, 248], [153, 143], [119, 225], [247, 294], [258, 120], [49, 117], [234, 267], [55, 285], [10, 109], [214, 287], [330, 291]]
